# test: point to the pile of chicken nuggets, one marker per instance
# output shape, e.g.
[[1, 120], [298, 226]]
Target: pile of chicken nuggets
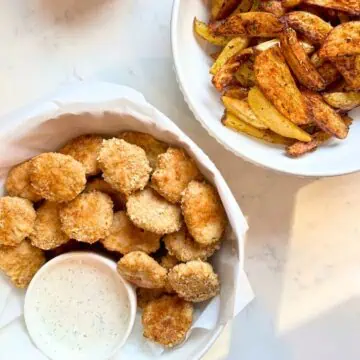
[[143, 200]]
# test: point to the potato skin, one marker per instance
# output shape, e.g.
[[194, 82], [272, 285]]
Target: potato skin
[[351, 7]]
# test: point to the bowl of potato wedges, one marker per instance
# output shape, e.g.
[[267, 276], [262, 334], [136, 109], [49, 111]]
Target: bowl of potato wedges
[[276, 82]]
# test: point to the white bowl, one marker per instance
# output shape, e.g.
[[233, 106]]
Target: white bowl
[[192, 64], [63, 307]]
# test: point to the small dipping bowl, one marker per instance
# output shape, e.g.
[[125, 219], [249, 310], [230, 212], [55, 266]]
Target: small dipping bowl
[[79, 307]]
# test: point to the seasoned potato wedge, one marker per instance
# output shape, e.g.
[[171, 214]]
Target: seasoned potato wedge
[[241, 109], [274, 79], [236, 92], [276, 122], [251, 24], [222, 8], [299, 62], [245, 74], [342, 100], [349, 6], [233, 47], [311, 26], [328, 72], [290, 3], [244, 6], [325, 117], [232, 122], [342, 40], [203, 31], [309, 49], [349, 67], [300, 148], [273, 6]]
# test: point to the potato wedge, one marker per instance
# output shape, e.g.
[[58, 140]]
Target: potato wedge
[[311, 26], [220, 9], [251, 24], [329, 73], [274, 79], [225, 76], [203, 31], [290, 3], [349, 6], [349, 67], [300, 148], [273, 6], [325, 117], [309, 49], [244, 6], [299, 62], [233, 47], [342, 40], [245, 74], [276, 122], [241, 109], [236, 92], [342, 100], [232, 122]]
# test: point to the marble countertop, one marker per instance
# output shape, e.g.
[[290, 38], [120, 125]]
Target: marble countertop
[[303, 248]]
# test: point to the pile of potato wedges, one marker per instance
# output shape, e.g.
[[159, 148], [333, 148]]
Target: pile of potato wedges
[[288, 71]]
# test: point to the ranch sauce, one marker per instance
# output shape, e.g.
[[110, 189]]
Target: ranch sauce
[[79, 311]]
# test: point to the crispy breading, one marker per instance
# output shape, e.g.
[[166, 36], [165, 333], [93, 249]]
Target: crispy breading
[[144, 296], [168, 261]]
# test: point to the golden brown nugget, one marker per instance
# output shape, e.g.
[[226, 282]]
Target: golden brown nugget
[[167, 320], [17, 219], [20, 263], [57, 177], [151, 212], [194, 281], [142, 270], [203, 213], [152, 147], [125, 237], [87, 218], [18, 182], [173, 172], [184, 248], [85, 149], [47, 233], [99, 184], [168, 261], [125, 166], [144, 296]]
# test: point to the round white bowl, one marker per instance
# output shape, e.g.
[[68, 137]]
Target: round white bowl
[[192, 64]]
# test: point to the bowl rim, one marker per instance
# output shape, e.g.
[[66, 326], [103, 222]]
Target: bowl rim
[[212, 133]]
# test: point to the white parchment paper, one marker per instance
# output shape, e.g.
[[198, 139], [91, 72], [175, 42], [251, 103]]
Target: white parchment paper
[[108, 109]]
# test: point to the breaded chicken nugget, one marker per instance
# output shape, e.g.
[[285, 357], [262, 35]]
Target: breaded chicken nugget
[[152, 147], [117, 197], [173, 172], [47, 233], [18, 182], [184, 248], [151, 212], [17, 219], [168, 261], [142, 270], [203, 212], [194, 281], [167, 320], [85, 149], [87, 218], [20, 263], [125, 237], [57, 177], [144, 296], [125, 166]]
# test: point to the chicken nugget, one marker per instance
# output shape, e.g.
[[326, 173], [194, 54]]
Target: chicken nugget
[[125, 166], [184, 248], [85, 149], [88, 217], [47, 233], [203, 212], [142, 270], [57, 177], [151, 212], [194, 281], [173, 172], [168, 261], [17, 219], [144, 296], [152, 147], [20, 263], [117, 197], [18, 182], [167, 320], [125, 237]]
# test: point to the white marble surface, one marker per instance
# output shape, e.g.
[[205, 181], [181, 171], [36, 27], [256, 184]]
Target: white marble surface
[[303, 249]]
